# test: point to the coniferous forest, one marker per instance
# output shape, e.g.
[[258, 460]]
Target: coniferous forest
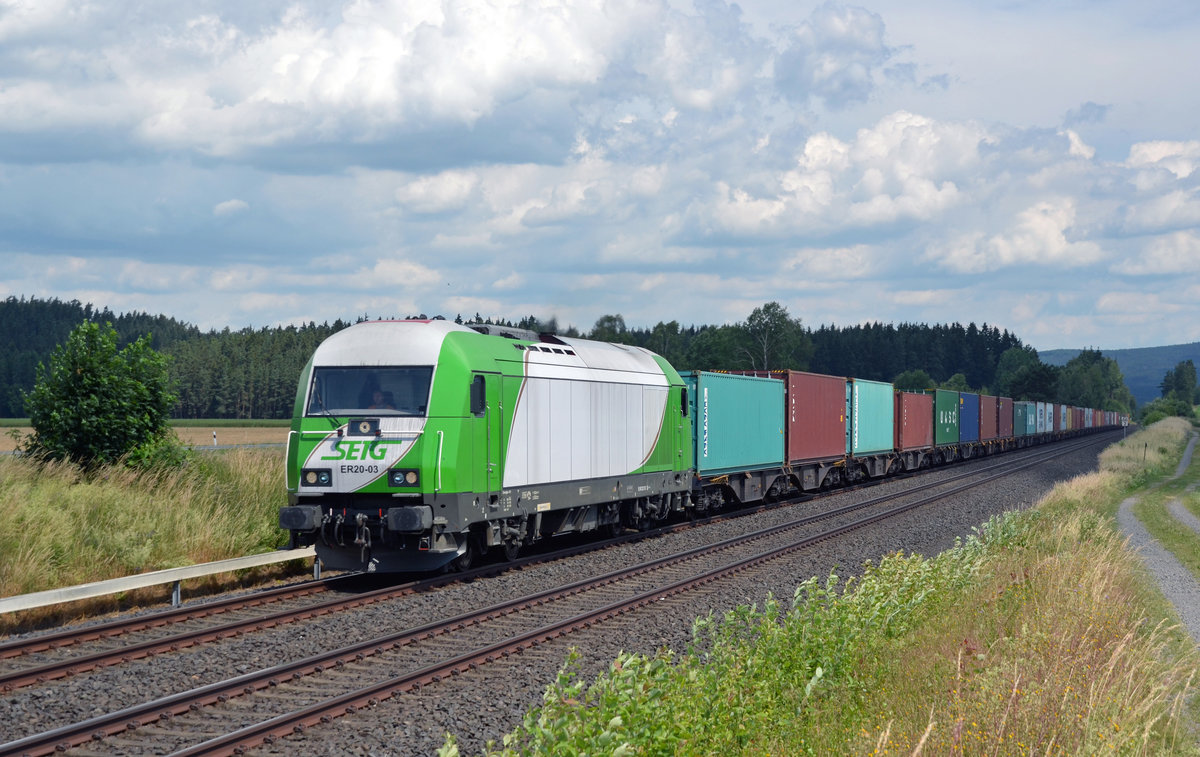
[[252, 373]]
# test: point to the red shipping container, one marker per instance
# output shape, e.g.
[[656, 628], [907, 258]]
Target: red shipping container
[[987, 418], [1004, 417], [914, 421], [815, 413]]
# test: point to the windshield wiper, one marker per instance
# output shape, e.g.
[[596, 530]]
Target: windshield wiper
[[319, 397]]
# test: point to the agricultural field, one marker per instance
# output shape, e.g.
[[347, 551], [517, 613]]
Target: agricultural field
[[197, 433]]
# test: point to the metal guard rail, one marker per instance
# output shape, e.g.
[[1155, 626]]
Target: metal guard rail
[[154, 578]]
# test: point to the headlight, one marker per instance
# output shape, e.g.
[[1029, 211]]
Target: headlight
[[316, 477], [397, 477]]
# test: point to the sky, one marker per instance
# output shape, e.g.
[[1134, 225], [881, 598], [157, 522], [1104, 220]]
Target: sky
[[1031, 165]]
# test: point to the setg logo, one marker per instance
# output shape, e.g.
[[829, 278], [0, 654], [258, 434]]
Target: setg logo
[[374, 449]]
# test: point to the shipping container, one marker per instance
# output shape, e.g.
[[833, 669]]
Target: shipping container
[[816, 414], [1004, 417], [968, 417], [1062, 419], [1024, 418], [1040, 423], [870, 410], [737, 422], [988, 428], [945, 416], [914, 421]]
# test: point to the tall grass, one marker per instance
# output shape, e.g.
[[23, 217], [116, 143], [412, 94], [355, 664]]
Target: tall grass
[[1038, 635], [61, 526], [1147, 454]]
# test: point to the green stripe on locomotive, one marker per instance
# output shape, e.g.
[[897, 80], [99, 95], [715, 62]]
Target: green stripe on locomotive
[[472, 450]]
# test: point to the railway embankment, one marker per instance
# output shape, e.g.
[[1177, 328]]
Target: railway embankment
[[1045, 632], [61, 525]]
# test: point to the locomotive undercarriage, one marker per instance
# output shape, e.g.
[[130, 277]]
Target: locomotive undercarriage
[[379, 533]]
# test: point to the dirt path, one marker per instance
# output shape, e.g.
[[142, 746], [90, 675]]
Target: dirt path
[[1177, 582]]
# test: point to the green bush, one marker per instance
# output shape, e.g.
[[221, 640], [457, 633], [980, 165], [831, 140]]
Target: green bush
[[95, 404]]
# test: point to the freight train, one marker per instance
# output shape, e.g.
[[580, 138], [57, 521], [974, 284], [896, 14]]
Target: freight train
[[418, 445]]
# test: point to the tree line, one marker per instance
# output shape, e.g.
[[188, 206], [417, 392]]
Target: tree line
[[252, 373], [1180, 394]]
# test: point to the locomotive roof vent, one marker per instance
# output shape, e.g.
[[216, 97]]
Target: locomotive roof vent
[[508, 332]]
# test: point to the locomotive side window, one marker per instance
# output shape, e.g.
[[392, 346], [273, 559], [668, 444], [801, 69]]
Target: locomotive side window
[[370, 391], [478, 398]]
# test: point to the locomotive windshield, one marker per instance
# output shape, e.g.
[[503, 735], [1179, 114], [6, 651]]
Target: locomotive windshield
[[370, 391]]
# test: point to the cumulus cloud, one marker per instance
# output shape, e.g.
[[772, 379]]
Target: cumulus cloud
[[834, 56], [1180, 158], [1172, 209], [497, 76], [1175, 253], [903, 168], [513, 280], [448, 190], [420, 156], [837, 264], [1037, 236], [230, 207], [394, 272], [1078, 148]]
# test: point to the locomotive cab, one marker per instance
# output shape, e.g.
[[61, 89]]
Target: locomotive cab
[[367, 463], [417, 444]]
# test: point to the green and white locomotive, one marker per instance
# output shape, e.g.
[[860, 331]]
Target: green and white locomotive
[[420, 444]]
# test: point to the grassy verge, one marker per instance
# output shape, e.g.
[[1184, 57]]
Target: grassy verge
[[60, 527], [1039, 635], [1152, 506]]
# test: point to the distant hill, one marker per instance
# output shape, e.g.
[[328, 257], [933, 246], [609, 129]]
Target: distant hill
[[1142, 367]]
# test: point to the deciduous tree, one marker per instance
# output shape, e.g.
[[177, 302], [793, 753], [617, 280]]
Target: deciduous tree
[[94, 403]]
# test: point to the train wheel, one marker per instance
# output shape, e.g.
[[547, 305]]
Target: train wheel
[[511, 548], [469, 557]]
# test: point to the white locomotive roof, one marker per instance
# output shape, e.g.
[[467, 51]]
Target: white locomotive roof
[[399, 343], [613, 357], [381, 343]]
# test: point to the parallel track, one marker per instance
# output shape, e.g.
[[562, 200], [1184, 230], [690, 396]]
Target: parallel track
[[65, 663], [400, 651]]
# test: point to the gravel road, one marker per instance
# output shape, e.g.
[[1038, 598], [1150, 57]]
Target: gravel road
[[1176, 581]]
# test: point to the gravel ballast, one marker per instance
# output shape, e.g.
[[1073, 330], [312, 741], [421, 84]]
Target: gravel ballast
[[484, 704]]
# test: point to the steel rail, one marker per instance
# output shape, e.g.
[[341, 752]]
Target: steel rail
[[296, 722], [80, 664], [167, 707]]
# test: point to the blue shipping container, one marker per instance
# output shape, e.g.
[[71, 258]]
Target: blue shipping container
[[737, 422], [968, 417]]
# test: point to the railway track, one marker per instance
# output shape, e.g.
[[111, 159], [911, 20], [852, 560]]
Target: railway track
[[229, 715], [41, 658]]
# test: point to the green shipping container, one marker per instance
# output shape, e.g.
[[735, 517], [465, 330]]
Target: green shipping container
[[945, 416], [1024, 418], [870, 413], [737, 421]]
